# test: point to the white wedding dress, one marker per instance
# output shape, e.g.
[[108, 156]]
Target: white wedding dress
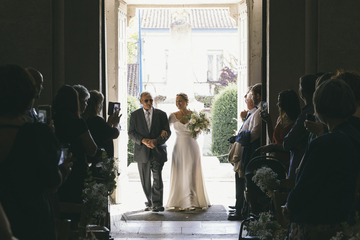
[[187, 186]]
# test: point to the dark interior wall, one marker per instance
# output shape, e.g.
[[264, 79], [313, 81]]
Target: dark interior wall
[[60, 38], [82, 38], [25, 37], [339, 35], [286, 48]]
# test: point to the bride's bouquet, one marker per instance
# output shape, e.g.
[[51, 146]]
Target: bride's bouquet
[[198, 122]]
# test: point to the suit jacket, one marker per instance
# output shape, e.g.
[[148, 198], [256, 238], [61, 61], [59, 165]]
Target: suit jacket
[[138, 130]]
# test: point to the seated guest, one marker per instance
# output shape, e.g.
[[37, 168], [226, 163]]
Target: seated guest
[[102, 132], [29, 157], [289, 109], [71, 129], [325, 185], [353, 79], [297, 138]]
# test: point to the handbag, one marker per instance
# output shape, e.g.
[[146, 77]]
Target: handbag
[[235, 151]]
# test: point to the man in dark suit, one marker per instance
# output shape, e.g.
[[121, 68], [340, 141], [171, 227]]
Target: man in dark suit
[[146, 124]]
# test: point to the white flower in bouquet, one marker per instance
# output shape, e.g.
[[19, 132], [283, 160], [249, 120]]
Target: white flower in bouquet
[[266, 179], [198, 122], [96, 198]]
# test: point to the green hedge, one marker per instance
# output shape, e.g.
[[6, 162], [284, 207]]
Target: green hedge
[[224, 115], [132, 105]]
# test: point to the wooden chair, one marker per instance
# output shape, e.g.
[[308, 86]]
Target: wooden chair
[[68, 231], [279, 199]]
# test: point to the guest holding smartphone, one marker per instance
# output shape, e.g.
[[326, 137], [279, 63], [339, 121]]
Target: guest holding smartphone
[[29, 156], [72, 129], [103, 132]]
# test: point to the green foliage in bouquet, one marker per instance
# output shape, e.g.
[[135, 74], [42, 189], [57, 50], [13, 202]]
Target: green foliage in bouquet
[[110, 172], [266, 228], [198, 121], [350, 232], [95, 197], [132, 105], [224, 120]]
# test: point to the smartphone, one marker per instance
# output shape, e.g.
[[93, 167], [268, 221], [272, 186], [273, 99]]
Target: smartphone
[[264, 109], [44, 113], [310, 117], [113, 106], [64, 152]]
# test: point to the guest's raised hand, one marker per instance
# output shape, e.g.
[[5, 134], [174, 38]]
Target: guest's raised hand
[[114, 119], [286, 213], [164, 134], [316, 128], [243, 114]]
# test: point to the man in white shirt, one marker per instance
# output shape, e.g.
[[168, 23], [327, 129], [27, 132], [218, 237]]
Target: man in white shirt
[[249, 137]]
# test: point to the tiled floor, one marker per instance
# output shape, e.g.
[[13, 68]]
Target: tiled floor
[[177, 230], [220, 192]]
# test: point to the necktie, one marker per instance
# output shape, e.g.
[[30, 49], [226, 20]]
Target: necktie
[[148, 119]]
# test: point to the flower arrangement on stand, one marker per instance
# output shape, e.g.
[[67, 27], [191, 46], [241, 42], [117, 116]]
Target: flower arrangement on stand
[[96, 194], [266, 179], [198, 121], [266, 228]]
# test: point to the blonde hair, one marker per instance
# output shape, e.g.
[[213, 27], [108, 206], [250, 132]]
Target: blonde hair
[[94, 104], [184, 96]]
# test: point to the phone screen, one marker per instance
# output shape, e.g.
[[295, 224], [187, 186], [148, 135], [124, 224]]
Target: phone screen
[[113, 106], [42, 116], [63, 155]]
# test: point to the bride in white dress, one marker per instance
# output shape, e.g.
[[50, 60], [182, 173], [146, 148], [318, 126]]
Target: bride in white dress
[[187, 186]]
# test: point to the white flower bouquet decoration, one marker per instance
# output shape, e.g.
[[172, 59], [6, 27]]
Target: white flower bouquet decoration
[[266, 179], [266, 228], [198, 121]]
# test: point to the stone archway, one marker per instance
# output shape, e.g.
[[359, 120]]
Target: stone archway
[[119, 12]]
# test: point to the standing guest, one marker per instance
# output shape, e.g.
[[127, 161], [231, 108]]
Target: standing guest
[[324, 190], [29, 157], [83, 97], [297, 138], [71, 129], [146, 125], [249, 138], [39, 81], [102, 132], [289, 109]]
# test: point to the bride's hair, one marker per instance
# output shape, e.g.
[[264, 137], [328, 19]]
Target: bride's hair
[[184, 96]]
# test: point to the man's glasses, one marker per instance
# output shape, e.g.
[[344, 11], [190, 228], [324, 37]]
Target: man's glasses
[[148, 100]]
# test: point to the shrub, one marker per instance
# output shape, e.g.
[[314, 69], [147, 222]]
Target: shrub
[[224, 115], [132, 105]]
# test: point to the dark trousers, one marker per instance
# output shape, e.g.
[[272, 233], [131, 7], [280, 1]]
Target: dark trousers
[[154, 191], [239, 192]]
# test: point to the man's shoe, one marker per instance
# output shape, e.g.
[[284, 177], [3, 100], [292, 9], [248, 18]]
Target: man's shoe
[[232, 207], [232, 211], [147, 209], [235, 217], [158, 209]]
